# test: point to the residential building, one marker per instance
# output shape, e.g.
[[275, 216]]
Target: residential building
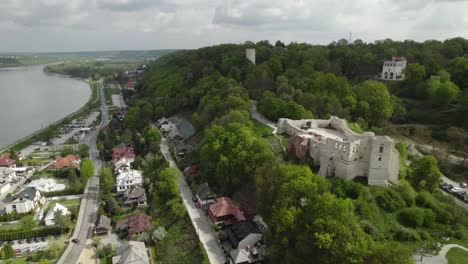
[[5, 186], [221, 210], [7, 174], [128, 179], [394, 70], [341, 152], [27, 200], [122, 152], [205, 196], [191, 170], [131, 252], [50, 216], [123, 165], [243, 233], [46, 185], [67, 162], [103, 226], [6, 161], [134, 197], [134, 225], [130, 85]]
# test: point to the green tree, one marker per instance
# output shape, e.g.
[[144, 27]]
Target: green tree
[[28, 223], [86, 169], [61, 220], [445, 94], [166, 186], [376, 96], [7, 251], [83, 150], [425, 173], [54, 247], [462, 110], [106, 180]]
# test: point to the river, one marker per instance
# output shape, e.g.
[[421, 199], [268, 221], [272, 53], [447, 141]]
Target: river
[[31, 99]]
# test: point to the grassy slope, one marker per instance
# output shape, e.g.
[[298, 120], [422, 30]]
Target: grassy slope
[[457, 256]]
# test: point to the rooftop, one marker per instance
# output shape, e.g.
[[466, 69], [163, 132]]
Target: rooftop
[[223, 206]]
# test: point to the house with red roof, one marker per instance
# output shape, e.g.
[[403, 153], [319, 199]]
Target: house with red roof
[[67, 162], [130, 85], [222, 210], [7, 161], [126, 153], [134, 225]]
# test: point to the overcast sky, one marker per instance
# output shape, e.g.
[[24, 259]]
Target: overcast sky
[[84, 25]]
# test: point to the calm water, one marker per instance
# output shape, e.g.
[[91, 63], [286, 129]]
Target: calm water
[[31, 99]]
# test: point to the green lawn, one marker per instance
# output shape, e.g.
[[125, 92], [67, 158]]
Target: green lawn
[[457, 256], [67, 203], [109, 92], [9, 227]]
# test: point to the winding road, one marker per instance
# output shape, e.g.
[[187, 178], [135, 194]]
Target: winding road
[[89, 205]]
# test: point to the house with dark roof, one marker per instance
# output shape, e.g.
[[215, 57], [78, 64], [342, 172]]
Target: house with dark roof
[[131, 252], [7, 161], [246, 241], [134, 225], [134, 197], [240, 231], [205, 196], [67, 162], [103, 226], [221, 210], [27, 200]]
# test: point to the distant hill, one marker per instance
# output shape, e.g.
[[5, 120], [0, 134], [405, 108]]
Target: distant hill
[[110, 54], [8, 61]]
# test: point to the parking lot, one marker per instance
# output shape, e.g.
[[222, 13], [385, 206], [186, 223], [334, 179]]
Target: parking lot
[[26, 246], [458, 190]]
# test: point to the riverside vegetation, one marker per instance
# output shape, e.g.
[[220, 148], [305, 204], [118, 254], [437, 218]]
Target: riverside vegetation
[[310, 217]]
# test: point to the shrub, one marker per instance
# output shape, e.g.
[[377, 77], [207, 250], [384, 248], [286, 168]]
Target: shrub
[[390, 200], [12, 216], [406, 234], [412, 217], [425, 199], [408, 194], [49, 231]]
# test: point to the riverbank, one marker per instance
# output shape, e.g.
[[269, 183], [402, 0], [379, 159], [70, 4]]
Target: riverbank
[[92, 103]]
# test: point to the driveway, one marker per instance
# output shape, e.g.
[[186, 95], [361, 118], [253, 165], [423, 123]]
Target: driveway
[[200, 222], [440, 258]]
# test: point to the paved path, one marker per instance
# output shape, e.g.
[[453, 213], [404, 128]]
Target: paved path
[[262, 119], [89, 205], [440, 258], [200, 222]]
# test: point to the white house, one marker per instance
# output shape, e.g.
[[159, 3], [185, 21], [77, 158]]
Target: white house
[[29, 199], [394, 70], [128, 179], [49, 218], [46, 185], [7, 173], [123, 165]]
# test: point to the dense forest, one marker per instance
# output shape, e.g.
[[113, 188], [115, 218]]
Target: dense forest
[[312, 218]]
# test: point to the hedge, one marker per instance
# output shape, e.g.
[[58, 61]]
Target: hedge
[[48, 231], [63, 193], [12, 217]]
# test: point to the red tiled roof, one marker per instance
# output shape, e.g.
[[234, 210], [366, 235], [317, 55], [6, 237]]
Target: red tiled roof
[[121, 152], [69, 161], [223, 206], [191, 170], [136, 223], [130, 85], [6, 161]]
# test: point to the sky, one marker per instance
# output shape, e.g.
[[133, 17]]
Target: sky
[[90, 25]]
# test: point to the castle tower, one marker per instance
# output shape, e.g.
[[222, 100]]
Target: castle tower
[[250, 55]]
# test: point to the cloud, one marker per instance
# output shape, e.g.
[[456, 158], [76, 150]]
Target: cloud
[[151, 24]]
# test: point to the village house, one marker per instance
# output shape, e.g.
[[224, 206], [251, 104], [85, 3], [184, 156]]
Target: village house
[[341, 152], [204, 195], [50, 216], [122, 153], [27, 200], [46, 185], [123, 165], [103, 226], [246, 241], [67, 162], [222, 210], [134, 225], [394, 70], [7, 175], [6, 161], [128, 179], [134, 197], [191, 170], [131, 252]]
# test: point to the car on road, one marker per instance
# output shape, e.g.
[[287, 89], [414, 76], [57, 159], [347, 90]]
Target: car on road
[[75, 240]]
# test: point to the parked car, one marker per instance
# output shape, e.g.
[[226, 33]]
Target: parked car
[[37, 239], [43, 239], [11, 242], [25, 250], [34, 248], [20, 241], [29, 240]]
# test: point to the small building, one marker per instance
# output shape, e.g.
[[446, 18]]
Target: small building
[[221, 210], [122, 152], [46, 185], [134, 225], [5, 186], [394, 70], [205, 196], [67, 162], [130, 85], [123, 165], [28, 200], [131, 252], [191, 170], [6, 161], [50, 216], [250, 55], [103, 226], [134, 197], [128, 179], [243, 233], [7, 174]]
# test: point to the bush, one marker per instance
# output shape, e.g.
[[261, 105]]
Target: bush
[[425, 199], [406, 234], [12, 217], [408, 194], [65, 192], [390, 200], [49, 231], [412, 217]]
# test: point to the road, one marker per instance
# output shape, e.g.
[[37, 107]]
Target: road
[[440, 258], [89, 206], [200, 222]]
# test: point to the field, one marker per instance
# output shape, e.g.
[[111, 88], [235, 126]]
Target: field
[[457, 256]]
